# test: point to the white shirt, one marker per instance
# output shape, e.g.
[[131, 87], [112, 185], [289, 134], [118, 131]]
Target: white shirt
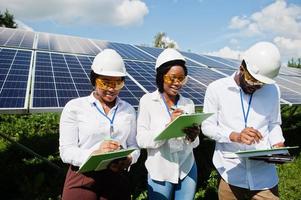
[[223, 98], [166, 160], [83, 128]]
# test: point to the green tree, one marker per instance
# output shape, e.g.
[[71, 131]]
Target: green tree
[[294, 63], [7, 20], [162, 42]]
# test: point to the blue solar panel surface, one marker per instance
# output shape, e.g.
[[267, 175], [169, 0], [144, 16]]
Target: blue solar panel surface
[[61, 43], [59, 67], [62, 77], [228, 62], [14, 77], [16, 38], [125, 50]]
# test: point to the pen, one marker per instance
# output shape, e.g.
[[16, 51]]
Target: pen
[[173, 108]]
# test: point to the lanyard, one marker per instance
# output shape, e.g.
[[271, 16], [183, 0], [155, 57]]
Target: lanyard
[[111, 120], [166, 106], [246, 115]]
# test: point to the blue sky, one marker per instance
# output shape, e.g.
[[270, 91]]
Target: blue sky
[[224, 28]]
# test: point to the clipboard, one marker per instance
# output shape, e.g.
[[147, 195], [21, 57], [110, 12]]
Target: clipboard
[[175, 128], [259, 152], [101, 161], [275, 158]]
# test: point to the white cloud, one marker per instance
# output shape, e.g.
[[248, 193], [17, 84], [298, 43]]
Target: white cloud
[[233, 41], [278, 22], [23, 26], [226, 52], [117, 12], [289, 48], [278, 18], [167, 40], [238, 22]]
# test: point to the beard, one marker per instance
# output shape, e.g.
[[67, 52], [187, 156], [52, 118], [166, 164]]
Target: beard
[[248, 89]]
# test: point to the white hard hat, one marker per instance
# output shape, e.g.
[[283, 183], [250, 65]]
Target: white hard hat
[[168, 55], [108, 63], [263, 61]]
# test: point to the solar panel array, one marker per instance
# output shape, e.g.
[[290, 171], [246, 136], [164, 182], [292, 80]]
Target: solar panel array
[[41, 72]]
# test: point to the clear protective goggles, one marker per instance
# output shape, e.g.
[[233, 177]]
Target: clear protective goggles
[[250, 80], [109, 84], [169, 79]]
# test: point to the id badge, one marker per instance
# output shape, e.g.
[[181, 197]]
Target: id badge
[[176, 144]]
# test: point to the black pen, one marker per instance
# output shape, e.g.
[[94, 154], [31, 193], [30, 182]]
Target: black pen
[[173, 108]]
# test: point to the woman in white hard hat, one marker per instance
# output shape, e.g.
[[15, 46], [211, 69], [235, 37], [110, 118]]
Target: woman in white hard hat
[[95, 124], [171, 167], [246, 109]]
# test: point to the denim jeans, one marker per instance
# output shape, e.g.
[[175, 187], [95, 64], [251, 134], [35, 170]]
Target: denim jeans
[[183, 190]]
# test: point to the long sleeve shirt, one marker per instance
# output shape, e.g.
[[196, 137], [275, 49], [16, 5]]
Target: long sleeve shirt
[[223, 98], [83, 128], [167, 160]]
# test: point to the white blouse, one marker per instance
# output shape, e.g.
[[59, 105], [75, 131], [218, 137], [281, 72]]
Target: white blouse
[[83, 128], [167, 160]]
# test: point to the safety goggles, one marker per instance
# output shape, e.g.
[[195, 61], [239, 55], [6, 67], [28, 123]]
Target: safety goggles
[[250, 80], [107, 84], [169, 79]]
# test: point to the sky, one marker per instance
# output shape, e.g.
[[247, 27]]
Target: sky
[[216, 27]]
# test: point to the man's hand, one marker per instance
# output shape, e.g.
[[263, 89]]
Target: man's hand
[[247, 136], [280, 144]]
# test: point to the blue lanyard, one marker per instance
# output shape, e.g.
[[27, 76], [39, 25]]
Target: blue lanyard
[[243, 109], [111, 120], [166, 106]]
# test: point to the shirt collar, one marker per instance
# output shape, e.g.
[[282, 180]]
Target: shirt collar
[[232, 82], [92, 100], [156, 96]]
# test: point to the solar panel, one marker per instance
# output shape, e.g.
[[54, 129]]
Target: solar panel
[[59, 67], [59, 78], [204, 75], [63, 43], [125, 50], [151, 50], [228, 62], [14, 79], [291, 74], [202, 59], [156, 51], [16, 38], [290, 95]]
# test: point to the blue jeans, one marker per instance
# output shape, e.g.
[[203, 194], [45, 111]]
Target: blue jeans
[[163, 190]]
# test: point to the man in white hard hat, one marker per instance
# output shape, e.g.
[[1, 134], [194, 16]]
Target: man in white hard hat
[[95, 124], [246, 109]]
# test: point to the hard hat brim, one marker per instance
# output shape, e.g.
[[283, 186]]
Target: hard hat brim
[[261, 78], [111, 73]]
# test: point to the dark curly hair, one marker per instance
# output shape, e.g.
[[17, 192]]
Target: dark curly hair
[[164, 68]]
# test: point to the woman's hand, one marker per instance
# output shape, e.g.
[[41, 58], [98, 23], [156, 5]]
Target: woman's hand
[[192, 132], [107, 146], [176, 112], [120, 164]]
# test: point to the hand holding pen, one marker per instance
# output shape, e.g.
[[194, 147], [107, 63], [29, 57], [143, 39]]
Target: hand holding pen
[[176, 112], [107, 146], [248, 135]]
